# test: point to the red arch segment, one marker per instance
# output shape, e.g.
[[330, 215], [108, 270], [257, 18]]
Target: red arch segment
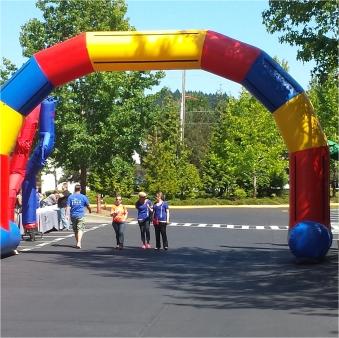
[[4, 191], [227, 57], [309, 186], [65, 61], [20, 156]]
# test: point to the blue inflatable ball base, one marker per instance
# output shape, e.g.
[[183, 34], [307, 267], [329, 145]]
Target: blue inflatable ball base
[[309, 241], [10, 239]]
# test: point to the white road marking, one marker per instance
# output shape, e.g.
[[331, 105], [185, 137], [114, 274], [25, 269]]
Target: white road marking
[[274, 227], [43, 244], [49, 239]]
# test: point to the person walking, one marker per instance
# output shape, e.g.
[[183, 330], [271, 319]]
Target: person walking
[[119, 215], [144, 207], [62, 205], [76, 204], [160, 221]]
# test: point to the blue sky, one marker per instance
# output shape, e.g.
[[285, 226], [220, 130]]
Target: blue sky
[[238, 19]]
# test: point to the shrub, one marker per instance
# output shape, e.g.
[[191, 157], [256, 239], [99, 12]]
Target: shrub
[[239, 193]]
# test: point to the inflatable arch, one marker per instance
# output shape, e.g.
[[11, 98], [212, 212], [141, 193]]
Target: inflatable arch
[[310, 234]]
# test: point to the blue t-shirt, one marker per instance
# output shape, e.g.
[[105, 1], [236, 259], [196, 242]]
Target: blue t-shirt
[[77, 202], [160, 212], [143, 211]]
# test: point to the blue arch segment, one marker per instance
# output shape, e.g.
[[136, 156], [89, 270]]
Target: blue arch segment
[[270, 83], [37, 161], [27, 88]]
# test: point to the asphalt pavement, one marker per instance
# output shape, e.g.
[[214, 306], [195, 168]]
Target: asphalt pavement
[[213, 282]]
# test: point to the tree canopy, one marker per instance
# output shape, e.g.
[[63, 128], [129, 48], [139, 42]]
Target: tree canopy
[[101, 115], [310, 25], [245, 151], [166, 159], [324, 97], [7, 70]]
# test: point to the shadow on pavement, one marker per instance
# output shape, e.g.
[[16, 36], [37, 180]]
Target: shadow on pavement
[[64, 245], [227, 277]]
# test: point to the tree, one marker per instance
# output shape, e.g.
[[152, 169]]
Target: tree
[[160, 168], [218, 176], [165, 158], [103, 114], [202, 114], [245, 151], [324, 96], [188, 177], [7, 70], [310, 25], [115, 177]]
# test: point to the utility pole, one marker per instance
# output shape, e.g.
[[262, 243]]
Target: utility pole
[[182, 106]]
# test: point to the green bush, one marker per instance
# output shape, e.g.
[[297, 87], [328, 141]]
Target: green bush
[[239, 193]]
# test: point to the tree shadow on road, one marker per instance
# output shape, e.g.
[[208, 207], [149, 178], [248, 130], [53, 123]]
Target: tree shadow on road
[[237, 277]]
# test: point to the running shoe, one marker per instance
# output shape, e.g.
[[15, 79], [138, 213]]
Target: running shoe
[[165, 248], [143, 246], [157, 249], [148, 246]]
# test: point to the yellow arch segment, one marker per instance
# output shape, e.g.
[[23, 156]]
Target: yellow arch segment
[[10, 125], [298, 124], [148, 50]]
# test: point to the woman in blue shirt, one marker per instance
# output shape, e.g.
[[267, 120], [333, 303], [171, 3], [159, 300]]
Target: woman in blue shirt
[[160, 221], [144, 207]]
